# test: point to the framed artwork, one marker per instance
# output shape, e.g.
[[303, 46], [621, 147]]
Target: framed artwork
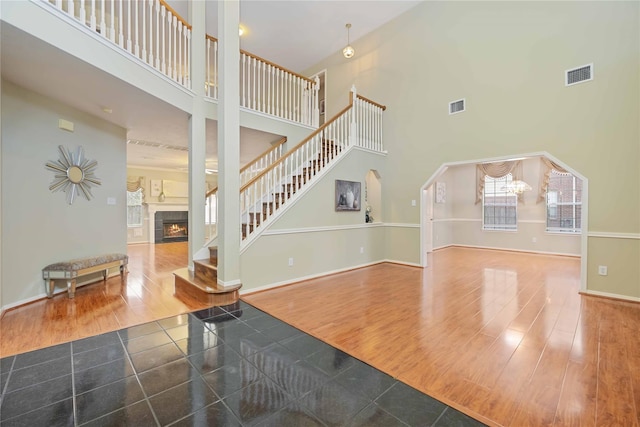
[[441, 192], [322, 106], [156, 187], [347, 195]]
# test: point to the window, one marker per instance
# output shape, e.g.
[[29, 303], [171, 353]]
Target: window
[[500, 208], [134, 208], [564, 203]]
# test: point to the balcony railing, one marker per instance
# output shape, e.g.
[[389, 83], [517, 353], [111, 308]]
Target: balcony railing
[[148, 29], [154, 33], [268, 88]]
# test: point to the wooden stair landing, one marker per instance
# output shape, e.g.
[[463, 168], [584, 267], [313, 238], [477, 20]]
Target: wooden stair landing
[[202, 283]]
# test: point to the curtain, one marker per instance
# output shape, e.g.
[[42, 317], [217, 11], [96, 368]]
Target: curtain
[[546, 167], [497, 170], [135, 183]]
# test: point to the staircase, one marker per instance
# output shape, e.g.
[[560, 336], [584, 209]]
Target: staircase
[[264, 196], [201, 285], [254, 218]]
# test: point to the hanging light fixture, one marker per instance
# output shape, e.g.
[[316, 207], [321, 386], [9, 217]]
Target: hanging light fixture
[[348, 51], [516, 187]]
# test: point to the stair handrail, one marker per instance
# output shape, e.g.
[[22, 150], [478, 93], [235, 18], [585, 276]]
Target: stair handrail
[[247, 172], [359, 124], [269, 153]]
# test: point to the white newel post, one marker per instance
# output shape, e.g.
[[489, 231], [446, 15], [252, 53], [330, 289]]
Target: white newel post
[[315, 103], [353, 128]]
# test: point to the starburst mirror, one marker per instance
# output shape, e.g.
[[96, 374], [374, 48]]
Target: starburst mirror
[[73, 174]]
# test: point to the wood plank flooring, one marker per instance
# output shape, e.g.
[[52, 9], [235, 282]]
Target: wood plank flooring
[[147, 294], [504, 337]]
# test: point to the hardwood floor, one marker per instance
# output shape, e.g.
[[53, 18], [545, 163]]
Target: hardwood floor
[[146, 295], [504, 337]]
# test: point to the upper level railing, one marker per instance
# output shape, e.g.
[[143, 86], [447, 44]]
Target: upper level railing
[[267, 87], [153, 32], [359, 124], [148, 29]]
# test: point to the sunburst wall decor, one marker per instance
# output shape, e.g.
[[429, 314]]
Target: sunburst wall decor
[[74, 174]]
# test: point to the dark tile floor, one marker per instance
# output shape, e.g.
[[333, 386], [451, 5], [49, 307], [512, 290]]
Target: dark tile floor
[[224, 366]]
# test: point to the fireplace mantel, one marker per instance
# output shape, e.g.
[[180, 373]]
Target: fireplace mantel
[[152, 208]]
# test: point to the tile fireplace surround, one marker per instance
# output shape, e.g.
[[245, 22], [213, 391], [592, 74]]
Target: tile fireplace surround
[[152, 208]]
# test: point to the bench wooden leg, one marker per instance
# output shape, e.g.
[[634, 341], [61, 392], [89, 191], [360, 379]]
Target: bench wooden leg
[[71, 288], [49, 286]]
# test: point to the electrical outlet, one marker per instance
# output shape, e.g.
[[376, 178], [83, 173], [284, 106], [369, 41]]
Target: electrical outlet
[[602, 270], [534, 239], [413, 202], [361, 249], [290, 262]]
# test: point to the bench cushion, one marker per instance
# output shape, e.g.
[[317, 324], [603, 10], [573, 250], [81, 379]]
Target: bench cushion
[[83, 263]]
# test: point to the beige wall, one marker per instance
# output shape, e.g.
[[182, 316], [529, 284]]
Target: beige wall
[[38, 226], [507, 59], [318, 238]]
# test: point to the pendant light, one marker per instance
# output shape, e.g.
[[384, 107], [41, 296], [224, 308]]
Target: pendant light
[[348, 51]]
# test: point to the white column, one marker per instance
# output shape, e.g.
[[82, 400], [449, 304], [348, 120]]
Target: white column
[[197, 132], [229, 144]]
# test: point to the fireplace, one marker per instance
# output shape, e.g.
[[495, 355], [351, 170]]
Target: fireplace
[[174, 229], [171, 226]]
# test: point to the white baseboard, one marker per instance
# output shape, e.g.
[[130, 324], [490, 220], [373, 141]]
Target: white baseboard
[[517, 250], [303, 278], [609, 295]]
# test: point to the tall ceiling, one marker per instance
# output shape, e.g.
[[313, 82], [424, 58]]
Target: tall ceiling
[[297, 34], [293, 34]]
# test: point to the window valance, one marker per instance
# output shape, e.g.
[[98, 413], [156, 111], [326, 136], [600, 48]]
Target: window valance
[[546, 167], [497, 170]]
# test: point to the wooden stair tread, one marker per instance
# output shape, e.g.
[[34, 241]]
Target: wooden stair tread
[[202, 284]]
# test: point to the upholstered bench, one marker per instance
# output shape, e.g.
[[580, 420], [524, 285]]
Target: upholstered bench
[[70, 270]]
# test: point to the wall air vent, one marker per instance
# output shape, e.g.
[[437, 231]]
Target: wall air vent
[[578, 75], [457, 106]]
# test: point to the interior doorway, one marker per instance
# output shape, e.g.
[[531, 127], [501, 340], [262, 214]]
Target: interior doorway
[[459, 220]]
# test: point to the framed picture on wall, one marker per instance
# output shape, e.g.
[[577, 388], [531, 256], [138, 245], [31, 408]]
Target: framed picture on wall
[[347, 195], [156, 187], [322, 106], [441, 192]]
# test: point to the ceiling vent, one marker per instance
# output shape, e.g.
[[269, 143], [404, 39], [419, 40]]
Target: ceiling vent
[[456, 106], [578, 75]]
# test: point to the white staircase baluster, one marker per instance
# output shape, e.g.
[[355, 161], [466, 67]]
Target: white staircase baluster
[[215, 69], [157, 41], [187, 43], [144, 32], [82, 17], [174, 47], [253, 82], [129, 43], [120, 25], [208, 44], [112, 28], [163, 11], [59, 4], [179, 60], [102, 23], [136, 34], [71, 10]]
